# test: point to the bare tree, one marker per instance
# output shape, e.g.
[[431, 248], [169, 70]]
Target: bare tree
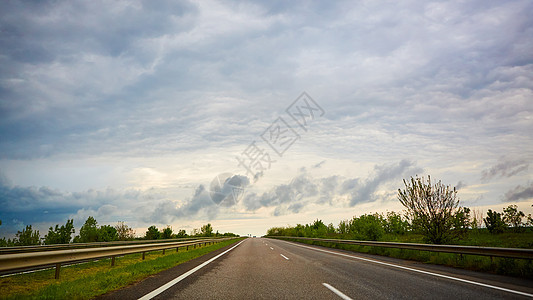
[[124, 232], [430, 208], [477, 218]]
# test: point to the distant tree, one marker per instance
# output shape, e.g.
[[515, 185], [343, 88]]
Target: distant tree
[[513, 217], [317, 229], [477, 219], [181, 233], [229, 234], [106, 233], [88, 232], [331, 229], [60, 235], [166, 233], [207, 230], [343, 227], [395, 223], [124, 232], [275, 231], [367, 227], [6, 243], [461, 222], [297, 231], [152, 233], [494, 222], [529, 220], [27, 237], [430, 207]]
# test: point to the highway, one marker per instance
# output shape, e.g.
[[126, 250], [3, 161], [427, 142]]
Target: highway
[[259, 268]]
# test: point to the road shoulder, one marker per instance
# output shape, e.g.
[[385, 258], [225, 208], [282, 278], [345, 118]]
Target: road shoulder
[[145, 286]]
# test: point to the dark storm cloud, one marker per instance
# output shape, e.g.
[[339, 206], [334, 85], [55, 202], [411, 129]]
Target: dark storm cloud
[[200, 202], [318, 165], [460, 185], [519, 193], [79, 76], [43, 31], [304, 189], [43, 205], [505, 168], [91, 77], [300, 187], [203, 201], [383, 174]]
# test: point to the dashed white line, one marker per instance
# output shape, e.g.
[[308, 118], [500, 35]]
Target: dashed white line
[[169, 284], [420, 271], [284, 256], [271, 248], [339, 293]]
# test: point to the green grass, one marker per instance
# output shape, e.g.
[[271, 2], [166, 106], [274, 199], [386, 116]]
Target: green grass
[[476, 238], [496, 265], [88, 280]]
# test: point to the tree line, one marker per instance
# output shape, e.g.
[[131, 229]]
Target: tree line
[[91, 232], [432, 210]]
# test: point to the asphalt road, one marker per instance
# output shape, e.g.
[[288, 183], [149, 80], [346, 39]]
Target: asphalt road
[[261, 268]]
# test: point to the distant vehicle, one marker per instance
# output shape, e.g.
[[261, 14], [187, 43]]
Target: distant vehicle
[[254, 235]]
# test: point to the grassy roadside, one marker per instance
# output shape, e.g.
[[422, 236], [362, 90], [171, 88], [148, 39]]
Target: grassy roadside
[[480, 237], [503, 266], [88, 280]]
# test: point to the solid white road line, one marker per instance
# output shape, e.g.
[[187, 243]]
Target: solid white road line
[[169, 284], [284, 256], [420, 271], [339, 293]]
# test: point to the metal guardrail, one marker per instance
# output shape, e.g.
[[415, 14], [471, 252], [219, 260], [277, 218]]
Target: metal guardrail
[[37, 248], [15, 261], [458, 249]]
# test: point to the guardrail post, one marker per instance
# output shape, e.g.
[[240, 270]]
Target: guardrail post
[[143, 255], [112, 261], [177, 249], [187, 248], [58, 268], [163, 251]]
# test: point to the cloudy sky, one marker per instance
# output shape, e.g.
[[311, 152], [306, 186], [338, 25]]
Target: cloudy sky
[[129, 110]]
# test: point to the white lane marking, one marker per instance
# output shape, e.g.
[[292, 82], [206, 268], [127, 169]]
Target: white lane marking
[[423, 272], [339, 293], [284, 256], [271, 248], [169, 284]]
